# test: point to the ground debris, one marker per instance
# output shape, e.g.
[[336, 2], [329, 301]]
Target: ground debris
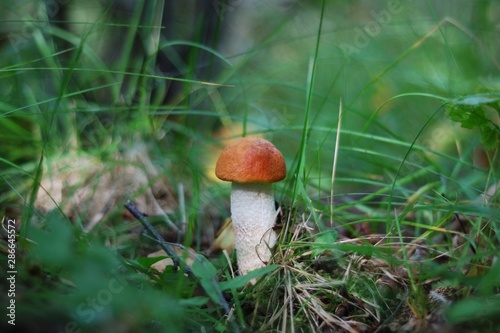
[[88, 188]]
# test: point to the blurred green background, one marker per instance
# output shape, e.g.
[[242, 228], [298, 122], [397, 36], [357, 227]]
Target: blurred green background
[[96, 74]]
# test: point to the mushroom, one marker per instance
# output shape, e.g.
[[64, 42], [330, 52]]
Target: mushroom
[[252, 164]]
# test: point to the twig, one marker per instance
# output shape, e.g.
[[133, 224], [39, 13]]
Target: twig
[[164, 245], [462, 226]]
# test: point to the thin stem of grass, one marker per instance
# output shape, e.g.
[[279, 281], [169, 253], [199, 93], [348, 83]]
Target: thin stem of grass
[[335, 158], [310, 88], [410, 148]]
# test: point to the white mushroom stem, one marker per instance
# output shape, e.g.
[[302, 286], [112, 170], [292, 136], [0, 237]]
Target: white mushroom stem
[[253, 214]]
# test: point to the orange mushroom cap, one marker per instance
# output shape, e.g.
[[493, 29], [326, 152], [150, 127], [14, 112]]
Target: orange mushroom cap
[[251, 160]]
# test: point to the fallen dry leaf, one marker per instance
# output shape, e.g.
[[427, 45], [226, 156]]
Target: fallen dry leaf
[[86, 187]]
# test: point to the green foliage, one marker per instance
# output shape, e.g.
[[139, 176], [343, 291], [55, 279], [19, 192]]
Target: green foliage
[[148, 261], [325, 241], [472, 113], [239, 282], [80, 284], [53, 255], [473, 310]]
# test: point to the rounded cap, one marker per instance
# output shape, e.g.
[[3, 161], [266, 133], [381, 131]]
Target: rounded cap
[[251, 160]]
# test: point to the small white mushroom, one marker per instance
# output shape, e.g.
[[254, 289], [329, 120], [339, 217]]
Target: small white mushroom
[[252, 164]]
